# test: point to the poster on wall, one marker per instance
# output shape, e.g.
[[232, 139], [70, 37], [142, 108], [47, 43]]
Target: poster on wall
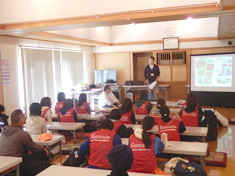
[[6, 73]]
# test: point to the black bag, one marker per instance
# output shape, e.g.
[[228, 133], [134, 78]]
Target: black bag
[[138, 83], [188, 169], [211, 122], [128, 83], [73, 159]]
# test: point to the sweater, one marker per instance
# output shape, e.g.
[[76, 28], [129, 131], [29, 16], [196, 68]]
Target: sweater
[[14, 141], [36, 125]]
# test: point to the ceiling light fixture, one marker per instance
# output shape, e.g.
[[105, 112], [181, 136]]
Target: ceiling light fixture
[[97, 16], [152, 11]]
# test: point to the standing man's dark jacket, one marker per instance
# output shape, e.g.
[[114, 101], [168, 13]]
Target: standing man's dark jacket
[[151, 74]]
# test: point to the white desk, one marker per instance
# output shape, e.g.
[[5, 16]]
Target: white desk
[[145, 87], [56, 139], [73, 127], [90, 116], [200, 132], [75, 171], [7, 162], [185, 148]]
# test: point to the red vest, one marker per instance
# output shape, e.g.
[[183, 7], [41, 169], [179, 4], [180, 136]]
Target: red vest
[[144, 160], [44, 112], [171, 128], [116, 125], [156, 117], [126, 118], [101, 142], [142, 110], [190, 119], [58, 106], [68, 116], [82, 109]]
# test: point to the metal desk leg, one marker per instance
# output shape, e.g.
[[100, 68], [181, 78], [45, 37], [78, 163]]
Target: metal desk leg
[[74, 136], [202, 160], [18, 170]]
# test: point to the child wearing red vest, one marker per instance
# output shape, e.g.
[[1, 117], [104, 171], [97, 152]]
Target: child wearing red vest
[[145, 145], [60, 103], [191, 116], [118, 126], [128, 116], [171, 126], [189, 96], [46, 109], [143, 106], [99, 143], [155, 113], [82, 107], [67, 113]]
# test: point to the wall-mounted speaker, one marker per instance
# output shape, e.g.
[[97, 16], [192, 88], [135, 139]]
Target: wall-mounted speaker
[[230, 43]]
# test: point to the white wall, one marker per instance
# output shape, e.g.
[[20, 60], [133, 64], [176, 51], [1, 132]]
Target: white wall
[[33, 10], [9, 51], [193, 28], [159, 46], [101, 34]]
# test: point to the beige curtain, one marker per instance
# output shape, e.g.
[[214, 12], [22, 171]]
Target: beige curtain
[[47, 72]]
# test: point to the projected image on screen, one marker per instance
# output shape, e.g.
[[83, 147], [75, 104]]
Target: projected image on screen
[[215, 71]]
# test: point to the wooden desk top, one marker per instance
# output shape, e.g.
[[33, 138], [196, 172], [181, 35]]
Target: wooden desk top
[[64, 125], [90, 116], [55, 139], [75, 171], [185, 148], [190, 131], [7, 162]]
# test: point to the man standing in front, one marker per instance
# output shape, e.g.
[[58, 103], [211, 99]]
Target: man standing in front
[[151, 74]]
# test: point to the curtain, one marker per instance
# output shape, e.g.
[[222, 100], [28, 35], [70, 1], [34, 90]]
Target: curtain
[[48, 72]]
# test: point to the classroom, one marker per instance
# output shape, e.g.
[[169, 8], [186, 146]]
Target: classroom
[[77, 47]]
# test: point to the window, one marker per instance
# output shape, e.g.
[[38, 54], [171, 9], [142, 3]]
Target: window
[[48, 72]]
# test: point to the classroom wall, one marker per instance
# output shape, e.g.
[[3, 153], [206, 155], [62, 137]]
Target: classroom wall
[[9, 51]]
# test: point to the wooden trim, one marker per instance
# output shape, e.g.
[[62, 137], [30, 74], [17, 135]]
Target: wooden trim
[[160, 41], [47, 34], [1, 27], [117, 17], [28, 38]]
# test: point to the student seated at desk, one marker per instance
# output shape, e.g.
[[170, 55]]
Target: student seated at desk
[[67, 113], [46, 109], [99, 143], [143, 106], [128, 116], [35, 124], [189, 96], [155, 112], [3, 117], [118, 126], [145, 145], [107, 99], [121, 159], [191, 116], [82, 107], [14, 141], [60, 103], [171, 126]]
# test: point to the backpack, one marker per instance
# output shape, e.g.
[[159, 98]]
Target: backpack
[[188, 169], [73, 159], [211, 122]]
